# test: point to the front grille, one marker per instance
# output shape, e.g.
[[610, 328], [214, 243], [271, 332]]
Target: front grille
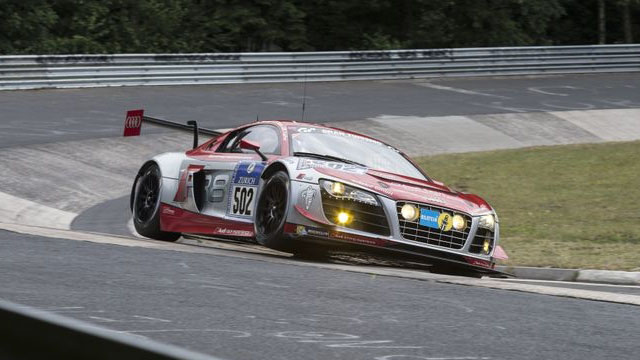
[[412, 230], [477, 244], [366, 217]]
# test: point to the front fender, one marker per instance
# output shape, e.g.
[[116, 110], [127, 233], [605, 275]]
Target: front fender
[[169, 164]]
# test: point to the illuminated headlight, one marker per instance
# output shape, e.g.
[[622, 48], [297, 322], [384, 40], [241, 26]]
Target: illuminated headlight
[[486, 246], [459, 223], [345, 192], [487, 222], [343, 218], [410, 212]]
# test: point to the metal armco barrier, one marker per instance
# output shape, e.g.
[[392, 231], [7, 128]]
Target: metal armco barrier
[[72, 71]]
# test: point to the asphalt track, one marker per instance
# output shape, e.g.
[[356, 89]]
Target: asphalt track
[[265, 306], [247, 309], [43, 116]]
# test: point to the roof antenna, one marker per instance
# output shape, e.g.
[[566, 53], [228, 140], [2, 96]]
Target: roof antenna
[[257, 117], [304, 94]]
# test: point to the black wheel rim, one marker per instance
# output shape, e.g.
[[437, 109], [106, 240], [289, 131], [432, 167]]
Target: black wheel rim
[[272, 212], [147, 196]]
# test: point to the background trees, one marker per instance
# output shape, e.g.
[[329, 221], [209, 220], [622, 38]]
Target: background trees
[[125, 26]]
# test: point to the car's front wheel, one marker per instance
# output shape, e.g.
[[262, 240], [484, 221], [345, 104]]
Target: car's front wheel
[[146, 204], [271, 213]]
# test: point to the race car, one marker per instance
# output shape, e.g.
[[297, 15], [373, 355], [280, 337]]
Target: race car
[[300, 187]]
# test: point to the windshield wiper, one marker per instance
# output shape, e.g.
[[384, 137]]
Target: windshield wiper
[[327, 157]]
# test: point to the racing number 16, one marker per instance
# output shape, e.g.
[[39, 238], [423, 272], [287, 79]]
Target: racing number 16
[[242, 200]]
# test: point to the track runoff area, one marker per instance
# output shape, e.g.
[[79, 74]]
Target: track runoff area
[[241, 301]]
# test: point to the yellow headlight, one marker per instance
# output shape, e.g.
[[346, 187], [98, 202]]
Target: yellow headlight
[[485, 246], [410, 212], [343, 218], [459, 223], [337, 188]]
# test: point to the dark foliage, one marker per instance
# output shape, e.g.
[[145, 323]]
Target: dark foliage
[[161, 26]]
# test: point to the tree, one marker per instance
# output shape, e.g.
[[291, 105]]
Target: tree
[[127, 26], [627, 25], [502, 22], [25, 25], [602, 22]]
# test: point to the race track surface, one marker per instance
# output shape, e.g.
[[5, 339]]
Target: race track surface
[[66, 165], [41, 116], [247, 309]]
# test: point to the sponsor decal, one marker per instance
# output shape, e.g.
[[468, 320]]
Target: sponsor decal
[[303, 176], [317, 232], [318, 130], [433, 196], [479, 262], [247, 173], [357, 238], [168, 211], [306, 230], [133, 122], [429, 218], [232, 232], [436, 200], [307, 196], [436, 220], [305, 164], [244, 189], [445, 221]]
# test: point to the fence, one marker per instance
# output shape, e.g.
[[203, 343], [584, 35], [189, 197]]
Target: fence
[[62, 71]]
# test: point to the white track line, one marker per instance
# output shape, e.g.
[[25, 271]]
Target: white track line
[[460, 91], [576, 283]]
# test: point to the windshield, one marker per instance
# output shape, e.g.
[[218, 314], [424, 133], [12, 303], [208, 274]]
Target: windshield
[[355, 148]]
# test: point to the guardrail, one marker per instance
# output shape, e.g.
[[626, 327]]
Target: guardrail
[[27, 333], [64, 71]]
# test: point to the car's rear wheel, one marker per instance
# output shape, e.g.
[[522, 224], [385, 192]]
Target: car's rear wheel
[[146, 205], [271, 213]]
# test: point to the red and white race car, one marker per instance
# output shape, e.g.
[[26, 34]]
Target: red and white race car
[[300, 187]]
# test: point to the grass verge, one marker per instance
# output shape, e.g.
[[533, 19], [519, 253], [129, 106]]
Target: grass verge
[[570, 206]]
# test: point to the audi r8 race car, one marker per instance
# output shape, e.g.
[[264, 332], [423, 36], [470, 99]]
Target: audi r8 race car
[[294, 186]]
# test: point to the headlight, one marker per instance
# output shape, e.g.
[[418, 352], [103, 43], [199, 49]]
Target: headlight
[[341, 191], [487, 222], [459, 223], [343, 218], [410, 212]]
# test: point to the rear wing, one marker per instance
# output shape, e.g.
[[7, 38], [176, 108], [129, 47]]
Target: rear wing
[[134, 119]]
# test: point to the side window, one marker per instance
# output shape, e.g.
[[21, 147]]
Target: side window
[[265, 135]]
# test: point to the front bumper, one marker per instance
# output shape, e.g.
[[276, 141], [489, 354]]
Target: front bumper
[[307, 220]]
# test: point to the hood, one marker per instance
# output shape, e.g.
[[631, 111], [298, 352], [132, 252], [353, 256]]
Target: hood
[[400, 187]]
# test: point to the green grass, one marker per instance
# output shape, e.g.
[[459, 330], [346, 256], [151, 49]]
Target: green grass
[[573, 206]]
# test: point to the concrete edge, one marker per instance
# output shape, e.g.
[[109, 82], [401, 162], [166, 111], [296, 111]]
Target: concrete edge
[[577, 275]]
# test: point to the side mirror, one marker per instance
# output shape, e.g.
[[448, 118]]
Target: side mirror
[[249, 145]]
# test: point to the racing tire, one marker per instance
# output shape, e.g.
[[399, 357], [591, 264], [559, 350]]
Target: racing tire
[[146, 205], [271, 213]]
